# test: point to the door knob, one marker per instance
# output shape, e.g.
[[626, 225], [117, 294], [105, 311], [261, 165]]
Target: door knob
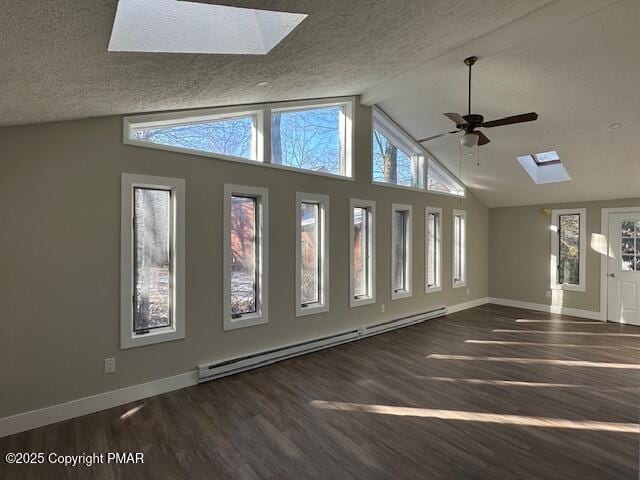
[[612, 275]]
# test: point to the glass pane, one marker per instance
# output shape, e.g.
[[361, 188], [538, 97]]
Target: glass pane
[[152, 259], [628, 262], [440, 180], [360, 252], [310, 253], [629, 228], [244, 255], [629, 245], [391, 164], [432, 225], [400, 279], [457, 250], [232, 136], [569, 259], [308, 139]]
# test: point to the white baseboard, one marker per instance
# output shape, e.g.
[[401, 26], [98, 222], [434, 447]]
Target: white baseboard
[[102, 401], [95, 403], [574, 312], [466, 305]]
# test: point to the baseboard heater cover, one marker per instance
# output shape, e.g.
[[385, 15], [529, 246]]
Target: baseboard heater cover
[[211, 371]]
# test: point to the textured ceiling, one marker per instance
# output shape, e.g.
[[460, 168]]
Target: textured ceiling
[[55, 64], [579, 78]]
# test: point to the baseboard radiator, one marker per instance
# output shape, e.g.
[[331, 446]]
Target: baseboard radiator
[[211, 371]]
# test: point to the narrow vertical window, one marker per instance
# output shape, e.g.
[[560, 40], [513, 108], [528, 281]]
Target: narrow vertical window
[[152, 253], [245, 264], [362, 248], [433, 249], [568, 238], [459, 254], [312, 276], [152, 260], [400, 251]]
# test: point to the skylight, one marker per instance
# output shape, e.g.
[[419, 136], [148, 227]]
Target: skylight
[[545, 167], [176, 26], [546, 158]]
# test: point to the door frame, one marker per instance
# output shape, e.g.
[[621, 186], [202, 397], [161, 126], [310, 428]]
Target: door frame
[[604, 259]]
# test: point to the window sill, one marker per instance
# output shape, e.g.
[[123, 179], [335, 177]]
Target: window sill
[[244, 321], [416, 189], [311, 310], [358, 302], [570, 288], [400, 295], [432, 289], [155, 336], [459, 284]]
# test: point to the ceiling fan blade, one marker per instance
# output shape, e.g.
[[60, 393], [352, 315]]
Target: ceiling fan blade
[[482, 138], [456, 118], [525, 117], [437, 136]]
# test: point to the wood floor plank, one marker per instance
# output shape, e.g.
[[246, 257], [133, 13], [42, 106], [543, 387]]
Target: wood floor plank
[[490, 392]]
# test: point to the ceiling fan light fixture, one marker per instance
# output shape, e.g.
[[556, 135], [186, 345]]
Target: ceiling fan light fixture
[[470, 140]]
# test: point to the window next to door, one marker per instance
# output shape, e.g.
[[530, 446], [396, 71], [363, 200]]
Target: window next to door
[[568, 249]]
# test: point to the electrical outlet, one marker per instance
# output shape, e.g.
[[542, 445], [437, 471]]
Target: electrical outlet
[[110, 365], [382, 308], [548, 293], [468, 291]]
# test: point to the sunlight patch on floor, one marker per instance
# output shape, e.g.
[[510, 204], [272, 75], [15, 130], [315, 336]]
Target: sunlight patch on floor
[[504, 330], [481, 417], [539, 344], [518, 383], [537, 361]]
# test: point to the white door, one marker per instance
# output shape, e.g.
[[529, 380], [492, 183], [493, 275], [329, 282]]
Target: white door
[[623, 272]]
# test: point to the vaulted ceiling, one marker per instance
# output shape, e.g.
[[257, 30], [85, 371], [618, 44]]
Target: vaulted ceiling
[[572, 61]]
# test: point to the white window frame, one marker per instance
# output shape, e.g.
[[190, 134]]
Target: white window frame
[[397, 207], [423, 160], [323, 233], [262, 113], [370, 207], [438, 249], [176, 331], [463, 250], [261, 316], [555, 249]]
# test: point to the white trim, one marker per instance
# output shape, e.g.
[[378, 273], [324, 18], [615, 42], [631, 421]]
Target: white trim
[[438, 249], [555, 245], [94, 403], [262, 132], [604, 259], [262, 308], [422, 159], [370, 206], [323, 304], [463, 261], [177, 330], [574, 312], [397, 207], [467, 305]]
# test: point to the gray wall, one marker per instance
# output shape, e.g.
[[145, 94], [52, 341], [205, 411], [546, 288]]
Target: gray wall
[[520, 249], [60, 238]]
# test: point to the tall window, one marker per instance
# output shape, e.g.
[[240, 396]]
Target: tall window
[[312, 265], [152, 260], [398, 160], [362, 248], [568, 239], [401, 251], [459, 247], [433, 250], [312, 136], [245, 262]]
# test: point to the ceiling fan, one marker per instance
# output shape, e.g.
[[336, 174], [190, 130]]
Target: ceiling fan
[[471, 121]]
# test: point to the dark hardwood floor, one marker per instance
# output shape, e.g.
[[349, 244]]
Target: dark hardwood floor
[[487, 393]]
